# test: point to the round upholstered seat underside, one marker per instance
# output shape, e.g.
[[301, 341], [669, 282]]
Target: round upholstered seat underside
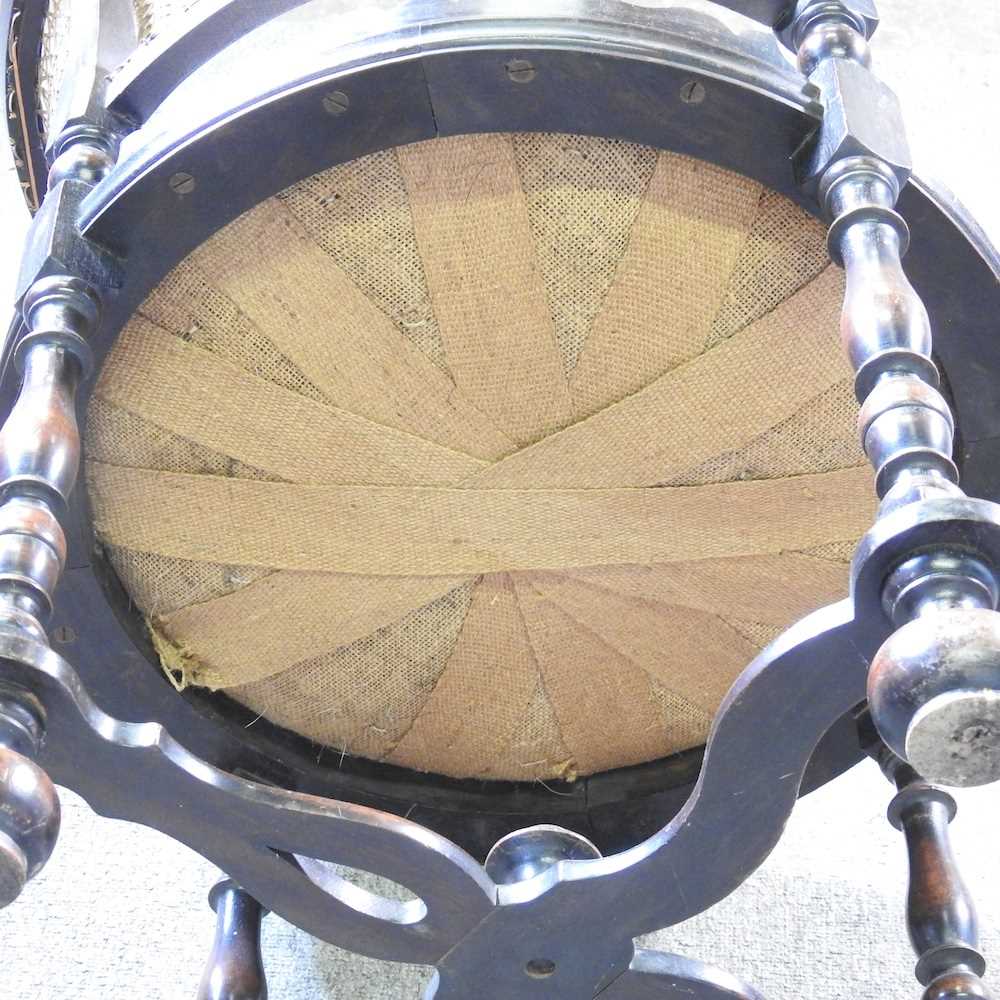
[[494, 456]]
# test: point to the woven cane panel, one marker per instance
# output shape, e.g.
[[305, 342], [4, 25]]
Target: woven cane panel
[[57, 57], [62, 42], [493, 456], [153, 16]]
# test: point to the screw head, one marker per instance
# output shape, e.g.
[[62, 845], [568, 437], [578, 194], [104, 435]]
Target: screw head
[[182, 183], [64, 634], [520, 71], [693, 92], [540, 968], [336, 102]]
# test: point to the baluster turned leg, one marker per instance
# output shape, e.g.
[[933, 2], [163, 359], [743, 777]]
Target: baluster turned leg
[[39, 457], [940, 913], [235, 970], [934, 686], [39, 461]]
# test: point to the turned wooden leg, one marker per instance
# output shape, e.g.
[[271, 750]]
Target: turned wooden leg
[[940, 913], [235, 970]]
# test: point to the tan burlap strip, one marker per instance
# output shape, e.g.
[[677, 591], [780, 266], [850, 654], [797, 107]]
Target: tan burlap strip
[[290, 617], [783, 250], [187, 305], [360, 362], [359, 214], [164, 584], [640, 630], [581, 223], [481, 697], [469, 216], [604, 715], [538, 749], [363, 696], [763, 588], [758, 634], [716, 403], [196, 394], [669, 284], [118, 437], [427, 531], [811, 440]]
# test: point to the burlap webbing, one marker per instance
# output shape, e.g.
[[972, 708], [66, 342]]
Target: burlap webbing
[[639, 629], [758, 634], [714, 404], [498, 335], [581, 225], [660, 316], [806, 441], [361, 363], [777, 257], [123, 438], [590, 705], [354, 215], [459, 714], [405, 532], [405, 658], [163, 584], [188, 306], [837, 552], [355, 540], [761, 588], [308, 442], [292, 617]]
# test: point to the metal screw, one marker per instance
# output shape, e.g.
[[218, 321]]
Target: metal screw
[[336, 102], [540, 968], [182, 183], [64, 634], [520, 71], [692, 92]]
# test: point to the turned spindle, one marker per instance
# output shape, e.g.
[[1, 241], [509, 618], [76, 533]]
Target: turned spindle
[[934, 686], [235, 969], [39, 459], [940, 913]]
